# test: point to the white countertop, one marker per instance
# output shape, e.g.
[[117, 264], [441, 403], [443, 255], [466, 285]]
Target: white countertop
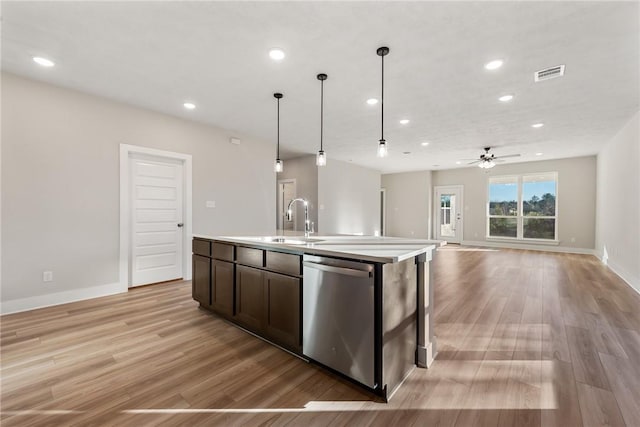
[[366, 248]]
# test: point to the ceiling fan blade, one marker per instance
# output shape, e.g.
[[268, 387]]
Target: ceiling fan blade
[[473, 163], [466, 160], [507, 156]]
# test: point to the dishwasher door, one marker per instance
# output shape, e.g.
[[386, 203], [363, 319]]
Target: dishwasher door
[[338, 316]]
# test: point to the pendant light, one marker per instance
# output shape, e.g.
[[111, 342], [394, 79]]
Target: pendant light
[[279, 165], [382, 144], [321, 157]]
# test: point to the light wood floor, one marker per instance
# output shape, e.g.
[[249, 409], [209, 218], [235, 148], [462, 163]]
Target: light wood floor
[[525, 338]]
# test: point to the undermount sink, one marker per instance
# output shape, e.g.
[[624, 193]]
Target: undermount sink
[[285, 240], [289, 240]]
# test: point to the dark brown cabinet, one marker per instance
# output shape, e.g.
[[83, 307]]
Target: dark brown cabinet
[[269, 304], [201, 280], [256, 288], [282, 300], [250, 297], [222, 273]]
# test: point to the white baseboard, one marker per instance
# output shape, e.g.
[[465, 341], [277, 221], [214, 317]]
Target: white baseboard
[[426, 355], [634, 283], [57, 298], [531, 247]]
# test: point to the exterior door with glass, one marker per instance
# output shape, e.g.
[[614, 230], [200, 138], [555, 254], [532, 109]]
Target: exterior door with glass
[[448, 204]]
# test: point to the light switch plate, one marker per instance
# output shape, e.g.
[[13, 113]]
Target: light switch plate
[[47, 276], [211, 203]]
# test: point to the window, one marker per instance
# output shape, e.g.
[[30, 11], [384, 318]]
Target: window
[[523, 207], [503, 207]]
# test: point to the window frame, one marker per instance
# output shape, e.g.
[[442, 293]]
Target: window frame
[[520, 217]]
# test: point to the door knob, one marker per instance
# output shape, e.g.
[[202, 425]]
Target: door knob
[[180, 224]]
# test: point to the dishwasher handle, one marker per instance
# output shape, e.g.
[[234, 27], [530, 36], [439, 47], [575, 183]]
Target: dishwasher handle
[[339, 270]]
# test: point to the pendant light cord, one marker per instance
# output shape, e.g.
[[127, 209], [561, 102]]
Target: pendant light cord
[[321, 110], [382, 104], [278, 145]]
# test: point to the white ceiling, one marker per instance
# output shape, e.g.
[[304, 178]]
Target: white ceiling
[[158, 54]]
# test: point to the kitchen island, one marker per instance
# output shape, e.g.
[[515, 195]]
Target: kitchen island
[[360, 306]]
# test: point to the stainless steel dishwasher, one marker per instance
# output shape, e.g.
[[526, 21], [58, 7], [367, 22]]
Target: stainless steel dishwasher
[[338, 316]]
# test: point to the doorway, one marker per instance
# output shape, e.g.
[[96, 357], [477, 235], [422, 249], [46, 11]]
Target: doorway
[[448, 206], [286, 193], [383, 212], [155, 216]]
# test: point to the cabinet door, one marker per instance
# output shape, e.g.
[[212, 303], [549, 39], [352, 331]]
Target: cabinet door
[[250, 297], [222, 286], [201, 281], [282, 302]]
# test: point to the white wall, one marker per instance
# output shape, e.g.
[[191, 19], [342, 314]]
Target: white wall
[[348, 199], [409, 199], [305, 172], [60, 185], [408, 207], [576, 197], [618, 203]]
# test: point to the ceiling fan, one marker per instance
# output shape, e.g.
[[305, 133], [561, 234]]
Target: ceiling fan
[[487, 161]]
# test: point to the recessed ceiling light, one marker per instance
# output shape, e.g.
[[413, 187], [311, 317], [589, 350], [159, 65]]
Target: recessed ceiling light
[[404, 121], [458, 162], [43, 61], [494, 65], [505, 98], [372, 101], [189, 106], [276, 54], [537, 125], [424, 144], [538, 154]]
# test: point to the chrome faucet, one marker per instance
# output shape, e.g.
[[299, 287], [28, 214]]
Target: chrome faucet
[[307, 223]]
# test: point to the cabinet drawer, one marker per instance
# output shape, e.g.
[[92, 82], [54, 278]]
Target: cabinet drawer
[[283, 263], [222, 251], [250, 256], [201, 247]]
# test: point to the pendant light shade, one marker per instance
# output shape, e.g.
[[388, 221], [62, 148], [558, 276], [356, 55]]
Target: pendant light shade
[[382, 148], [382, 144], [321, 157], [278, 166]]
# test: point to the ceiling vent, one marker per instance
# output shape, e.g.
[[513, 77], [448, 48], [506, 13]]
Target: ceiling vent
[[549, 73]]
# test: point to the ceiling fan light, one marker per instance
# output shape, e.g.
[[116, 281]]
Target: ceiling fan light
[[486, 164]]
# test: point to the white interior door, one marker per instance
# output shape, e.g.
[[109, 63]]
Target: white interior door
[[157, 220], [449, 220]]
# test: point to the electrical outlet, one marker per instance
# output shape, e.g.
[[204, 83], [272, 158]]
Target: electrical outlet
[[573, 240], [47, 276]]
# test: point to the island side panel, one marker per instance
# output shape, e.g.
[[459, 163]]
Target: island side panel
[[399, 314]]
